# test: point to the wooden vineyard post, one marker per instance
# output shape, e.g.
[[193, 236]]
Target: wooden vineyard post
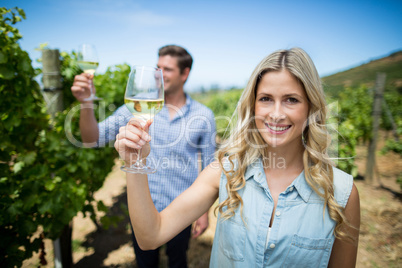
[[52, 85], [378, 95], [52, 92]]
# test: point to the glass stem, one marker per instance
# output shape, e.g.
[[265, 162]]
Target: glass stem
[[91, 87], [139, 160]]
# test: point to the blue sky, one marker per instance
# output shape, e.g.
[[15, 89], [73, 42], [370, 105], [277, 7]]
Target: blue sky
[[227, 39]]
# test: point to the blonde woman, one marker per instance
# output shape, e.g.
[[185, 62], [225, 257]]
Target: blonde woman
[[282, 203]]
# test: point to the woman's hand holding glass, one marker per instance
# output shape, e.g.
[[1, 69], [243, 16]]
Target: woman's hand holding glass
[[144, 98], [132, 139]]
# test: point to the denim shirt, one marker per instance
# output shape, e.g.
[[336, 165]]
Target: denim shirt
[[302, 234]]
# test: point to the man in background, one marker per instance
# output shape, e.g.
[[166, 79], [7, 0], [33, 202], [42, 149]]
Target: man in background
[[181, 130]]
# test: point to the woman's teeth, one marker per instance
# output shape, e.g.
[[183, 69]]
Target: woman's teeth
[[278, 128]]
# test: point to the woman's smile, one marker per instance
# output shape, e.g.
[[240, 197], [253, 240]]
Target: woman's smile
[[277, 128]]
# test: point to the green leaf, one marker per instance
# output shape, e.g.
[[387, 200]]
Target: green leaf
[[6, 73], [4, 116], [42, 46], [14, 210], [26, 64], [72, 168], [3, 57], [29, 158], [18, 167], [49, 185], [21, 12], [16, 19], [45, 206], [101, 206]]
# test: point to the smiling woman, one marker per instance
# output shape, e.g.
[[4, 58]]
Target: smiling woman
[[281, 109], [282, 203]]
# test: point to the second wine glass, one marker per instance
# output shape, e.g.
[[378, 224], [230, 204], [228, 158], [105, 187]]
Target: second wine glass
[[144, 98], [87, 60]]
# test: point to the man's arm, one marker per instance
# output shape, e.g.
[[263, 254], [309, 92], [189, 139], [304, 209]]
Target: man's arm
[[88, 124]]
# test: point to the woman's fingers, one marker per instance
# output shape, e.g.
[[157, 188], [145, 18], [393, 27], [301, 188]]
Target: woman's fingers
[[130, 144], [147, 125], [128, 135], [133, 135], [142, 134], [132, 138], [136, 125]]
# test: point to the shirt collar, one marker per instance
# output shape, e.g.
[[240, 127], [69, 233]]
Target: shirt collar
[[183, 110], [256, 171], [188, 99], [186, 107], [302, 187]]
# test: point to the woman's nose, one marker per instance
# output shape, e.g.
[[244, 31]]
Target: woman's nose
[[277, 113]]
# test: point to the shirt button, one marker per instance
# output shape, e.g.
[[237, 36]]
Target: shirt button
[[272, 246], [259, 174], [291, 189], [278, 213]]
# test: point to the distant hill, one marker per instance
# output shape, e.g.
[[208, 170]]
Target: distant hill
[[366, 74]]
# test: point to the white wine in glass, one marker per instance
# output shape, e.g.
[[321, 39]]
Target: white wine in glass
[[89, 67], [144, 98], [145, 109], [87, 60]]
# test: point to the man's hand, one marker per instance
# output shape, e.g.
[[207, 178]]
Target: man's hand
[[81, 88], [200, 225]]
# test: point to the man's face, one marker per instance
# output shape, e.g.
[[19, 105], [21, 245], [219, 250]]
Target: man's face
[[172, 77]]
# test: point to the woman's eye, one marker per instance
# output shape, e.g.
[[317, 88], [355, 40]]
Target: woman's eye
[[292, 100], [265, 99]]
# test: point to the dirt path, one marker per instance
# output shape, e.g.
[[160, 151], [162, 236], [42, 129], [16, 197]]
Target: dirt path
[[380, 236]]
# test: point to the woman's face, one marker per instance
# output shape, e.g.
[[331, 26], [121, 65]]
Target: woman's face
[[281, 110]]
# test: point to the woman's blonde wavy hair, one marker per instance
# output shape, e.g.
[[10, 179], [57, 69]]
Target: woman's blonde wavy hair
[[245, 145]]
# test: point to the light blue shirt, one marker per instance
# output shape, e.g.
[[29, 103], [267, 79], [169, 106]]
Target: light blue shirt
[[301, 235], [175, 146]]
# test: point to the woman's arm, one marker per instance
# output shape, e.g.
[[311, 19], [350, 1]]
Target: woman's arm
[[344, 253], [151, 228]]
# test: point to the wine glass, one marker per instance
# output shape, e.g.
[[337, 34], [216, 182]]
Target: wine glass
[[87, 60], [144, 98]]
